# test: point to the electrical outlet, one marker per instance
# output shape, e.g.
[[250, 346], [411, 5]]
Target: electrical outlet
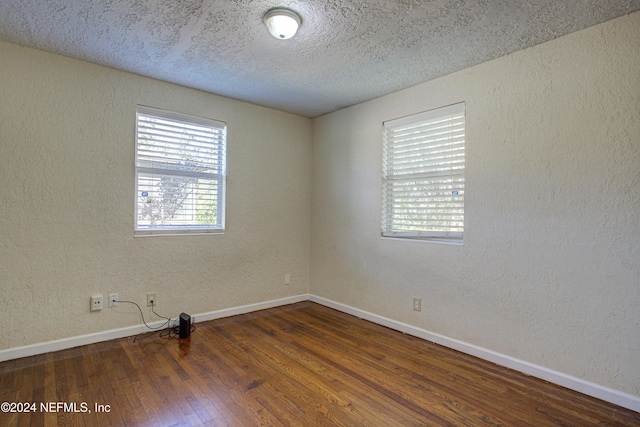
[[113, 300], [287, 279], [151, 299], [417, 304], [96, 302]]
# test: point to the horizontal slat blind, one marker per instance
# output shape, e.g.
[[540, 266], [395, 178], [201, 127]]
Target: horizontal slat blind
[[180, 168], [423, 175]]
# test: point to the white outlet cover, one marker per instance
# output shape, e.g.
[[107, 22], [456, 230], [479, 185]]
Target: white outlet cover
[[96, 302]]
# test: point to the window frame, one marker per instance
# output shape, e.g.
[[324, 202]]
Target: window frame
[[219, 177], [436, 176]]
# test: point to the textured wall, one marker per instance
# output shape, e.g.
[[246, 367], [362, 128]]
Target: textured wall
[[67, 197], [550, 268]]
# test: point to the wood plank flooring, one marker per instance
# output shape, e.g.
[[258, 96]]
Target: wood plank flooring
[[297, 365]]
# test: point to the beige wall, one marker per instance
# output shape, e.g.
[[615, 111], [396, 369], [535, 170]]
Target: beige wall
[[67, 197], [550, 267]]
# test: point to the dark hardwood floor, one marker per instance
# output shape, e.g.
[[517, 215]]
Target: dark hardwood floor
[[298, 365]]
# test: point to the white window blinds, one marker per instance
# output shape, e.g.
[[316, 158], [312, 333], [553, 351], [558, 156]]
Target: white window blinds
[[180, 173], [423, 175]]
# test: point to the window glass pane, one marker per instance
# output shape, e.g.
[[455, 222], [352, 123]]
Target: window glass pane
[[174, 200], [180, 170], [423, 175]]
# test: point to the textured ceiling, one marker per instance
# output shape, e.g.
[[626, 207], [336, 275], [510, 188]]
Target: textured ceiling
[[346, 51]]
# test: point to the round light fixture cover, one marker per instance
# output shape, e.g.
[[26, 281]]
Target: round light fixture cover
[[282, 23]]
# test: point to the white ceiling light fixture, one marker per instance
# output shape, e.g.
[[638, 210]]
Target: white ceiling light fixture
[[282, 23]]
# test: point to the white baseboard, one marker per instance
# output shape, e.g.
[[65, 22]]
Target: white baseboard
[[234, 311], [65, 343], [616, 397]]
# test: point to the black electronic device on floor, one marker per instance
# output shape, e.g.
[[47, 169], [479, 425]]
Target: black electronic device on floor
[[185, 325]]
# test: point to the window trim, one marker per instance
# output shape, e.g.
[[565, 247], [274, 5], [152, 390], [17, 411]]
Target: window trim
[[450, 237], [205, 229]]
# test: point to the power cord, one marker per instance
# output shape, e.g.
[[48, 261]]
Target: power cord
[[165, 325], [166, 329], [153, 305]]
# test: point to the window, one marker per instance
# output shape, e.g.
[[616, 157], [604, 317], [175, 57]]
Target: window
[[180, 173], [423, 175]]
